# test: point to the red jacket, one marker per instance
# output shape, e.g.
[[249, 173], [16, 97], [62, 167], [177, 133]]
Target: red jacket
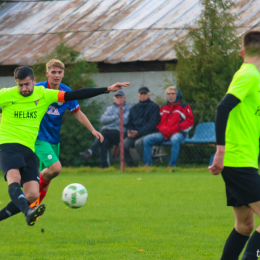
[[175, 117]]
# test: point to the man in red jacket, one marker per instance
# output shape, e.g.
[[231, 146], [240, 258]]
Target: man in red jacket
[[176, 120]]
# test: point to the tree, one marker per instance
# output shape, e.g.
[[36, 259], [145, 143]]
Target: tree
[[74, 136], [209, 56], [78, 72]]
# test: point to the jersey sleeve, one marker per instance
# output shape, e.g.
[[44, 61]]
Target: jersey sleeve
[[243, 85], [52, 95], [6, 96], [73, 106]]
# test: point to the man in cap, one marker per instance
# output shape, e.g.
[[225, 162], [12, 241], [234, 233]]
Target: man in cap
[[110, 130], [143, 118]]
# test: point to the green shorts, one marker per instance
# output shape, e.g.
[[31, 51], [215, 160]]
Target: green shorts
[[47, 153]]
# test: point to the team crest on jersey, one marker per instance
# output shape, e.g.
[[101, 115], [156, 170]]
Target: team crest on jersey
[[36, 102]]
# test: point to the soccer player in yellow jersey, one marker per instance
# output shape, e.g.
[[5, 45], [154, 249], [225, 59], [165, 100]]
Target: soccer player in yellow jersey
[[236, 158], [23, 109]]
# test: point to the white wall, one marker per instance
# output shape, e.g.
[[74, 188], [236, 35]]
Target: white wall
[[6, 82], [154, 80]]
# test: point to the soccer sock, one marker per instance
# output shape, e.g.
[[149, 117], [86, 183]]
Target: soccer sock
[[43, 183], [9, 211], [234, 246], [18, 197], [253, 247], [42, 195]]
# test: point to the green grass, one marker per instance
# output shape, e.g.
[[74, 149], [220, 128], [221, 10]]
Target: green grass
[[140, 214]]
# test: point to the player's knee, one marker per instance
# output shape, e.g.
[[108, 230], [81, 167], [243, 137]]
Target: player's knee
[[245, 228], [32, 196], [56, 169]]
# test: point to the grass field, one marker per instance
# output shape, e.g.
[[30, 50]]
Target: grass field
[[142, 214]]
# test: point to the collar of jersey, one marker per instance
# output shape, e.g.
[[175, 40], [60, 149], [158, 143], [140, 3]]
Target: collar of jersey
[[49, 85]]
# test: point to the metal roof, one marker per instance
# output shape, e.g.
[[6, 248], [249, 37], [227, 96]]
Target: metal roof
[[111, 31]]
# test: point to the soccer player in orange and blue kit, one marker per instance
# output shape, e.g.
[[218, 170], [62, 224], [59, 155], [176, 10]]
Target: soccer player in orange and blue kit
[[236, 158]]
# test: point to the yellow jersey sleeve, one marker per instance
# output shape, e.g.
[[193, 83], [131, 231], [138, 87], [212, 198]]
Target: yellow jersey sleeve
[[51, 95], [243, 85]]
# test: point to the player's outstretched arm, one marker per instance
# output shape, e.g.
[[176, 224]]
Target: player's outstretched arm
[[82, 118], [92, 92]]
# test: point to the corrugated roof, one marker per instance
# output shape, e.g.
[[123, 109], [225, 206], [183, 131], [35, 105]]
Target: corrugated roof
[[111, 31]]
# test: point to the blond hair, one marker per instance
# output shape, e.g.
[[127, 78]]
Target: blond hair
[[54, 63]]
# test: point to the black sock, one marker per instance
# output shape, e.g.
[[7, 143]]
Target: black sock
[[253, 247], [18, 197], [234, 246], [9, 211]]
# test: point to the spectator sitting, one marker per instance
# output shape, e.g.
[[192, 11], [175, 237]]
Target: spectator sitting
[[110, 130], [176, 120], [143, 118]]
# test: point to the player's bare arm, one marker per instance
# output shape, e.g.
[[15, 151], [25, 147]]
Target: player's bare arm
[[82, 118], [115, 87], [217, 165]]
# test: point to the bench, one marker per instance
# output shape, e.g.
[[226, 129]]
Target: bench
[[204, 135]]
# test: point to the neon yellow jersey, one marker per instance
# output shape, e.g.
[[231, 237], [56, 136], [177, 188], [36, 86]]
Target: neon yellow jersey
[[243, 126], [22, 115]]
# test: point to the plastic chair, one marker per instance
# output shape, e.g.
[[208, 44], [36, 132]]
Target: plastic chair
[[204, 134]]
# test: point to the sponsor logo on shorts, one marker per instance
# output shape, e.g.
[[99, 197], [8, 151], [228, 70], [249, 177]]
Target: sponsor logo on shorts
[[8, 212], [49, 156]]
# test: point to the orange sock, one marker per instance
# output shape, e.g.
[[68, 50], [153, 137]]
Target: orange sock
[[35, 204]]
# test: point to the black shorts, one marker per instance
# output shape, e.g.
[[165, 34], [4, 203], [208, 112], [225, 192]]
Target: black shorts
[[242, 185], [17, 156]]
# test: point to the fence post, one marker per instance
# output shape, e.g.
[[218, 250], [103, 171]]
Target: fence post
[[122, 154]]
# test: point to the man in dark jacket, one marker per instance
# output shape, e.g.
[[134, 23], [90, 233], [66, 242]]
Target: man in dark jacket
[[143, 119], [110, 129], [176, 120]]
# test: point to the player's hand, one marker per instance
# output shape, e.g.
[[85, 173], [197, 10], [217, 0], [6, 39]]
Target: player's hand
[[98, 135], [217, 165], [118, 86]]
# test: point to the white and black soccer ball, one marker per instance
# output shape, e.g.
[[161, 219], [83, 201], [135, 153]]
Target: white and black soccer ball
[[75, 195]]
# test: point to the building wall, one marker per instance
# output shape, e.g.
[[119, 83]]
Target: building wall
[[6, 82], [154, 80]]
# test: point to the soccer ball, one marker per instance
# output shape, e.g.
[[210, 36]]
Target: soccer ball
[[75, 195]]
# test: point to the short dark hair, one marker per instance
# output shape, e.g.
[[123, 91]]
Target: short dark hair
[[23, 72], [251, 43]]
